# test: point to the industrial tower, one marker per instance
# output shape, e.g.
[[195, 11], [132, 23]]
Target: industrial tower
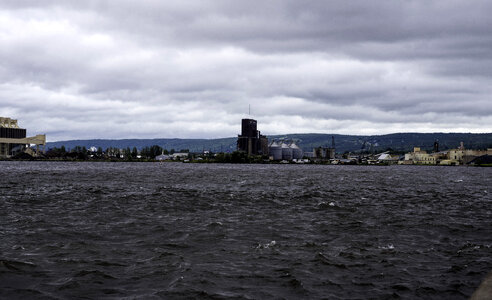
[[250, 140]]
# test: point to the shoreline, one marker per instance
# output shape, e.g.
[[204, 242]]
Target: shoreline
[[232, 163]]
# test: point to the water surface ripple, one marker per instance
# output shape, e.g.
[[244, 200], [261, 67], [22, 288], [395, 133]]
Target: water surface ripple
[[216, 231]]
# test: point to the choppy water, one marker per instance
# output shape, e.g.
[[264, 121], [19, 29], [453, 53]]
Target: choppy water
[[150, 230]]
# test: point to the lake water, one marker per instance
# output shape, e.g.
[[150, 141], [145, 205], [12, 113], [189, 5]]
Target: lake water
[[217, 231]]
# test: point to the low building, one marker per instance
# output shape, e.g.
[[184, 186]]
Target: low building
[[387, 158], [309, 154], [163, 157], [421, 157], [180, 155], [463, 156], [459, 156], [324, 153]]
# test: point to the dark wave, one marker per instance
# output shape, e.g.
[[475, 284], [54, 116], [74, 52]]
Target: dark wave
[[185, 231]]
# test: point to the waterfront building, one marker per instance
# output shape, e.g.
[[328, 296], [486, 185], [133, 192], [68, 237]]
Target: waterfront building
[[387, 158], [180, 155], [421, 157], [14, 140], [459, 156], [275, 151], [163, 157], [324, 153], [250, 140], [309, 154], [464, 156], [285, 150]]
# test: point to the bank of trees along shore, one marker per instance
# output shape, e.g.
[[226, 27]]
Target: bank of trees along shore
[[80, 153], [111, 153], [238, 157]]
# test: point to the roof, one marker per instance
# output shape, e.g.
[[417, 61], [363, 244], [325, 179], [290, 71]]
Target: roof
[[180, 154], [387, 156], [162, 157]]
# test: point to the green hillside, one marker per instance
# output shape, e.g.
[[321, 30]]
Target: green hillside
[[396, 141], [353, 143]]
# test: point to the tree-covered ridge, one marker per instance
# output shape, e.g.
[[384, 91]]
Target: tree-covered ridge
[[402, 142]]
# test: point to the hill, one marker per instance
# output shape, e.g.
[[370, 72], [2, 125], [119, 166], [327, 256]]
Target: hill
[[354, 143]]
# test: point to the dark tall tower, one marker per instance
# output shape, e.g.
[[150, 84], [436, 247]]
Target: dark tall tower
[[250, 140], [249, 128], [436, 146]]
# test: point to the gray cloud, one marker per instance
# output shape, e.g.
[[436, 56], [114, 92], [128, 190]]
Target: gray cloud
[[106, 69]]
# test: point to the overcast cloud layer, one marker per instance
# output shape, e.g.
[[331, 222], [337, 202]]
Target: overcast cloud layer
[[189, 69]]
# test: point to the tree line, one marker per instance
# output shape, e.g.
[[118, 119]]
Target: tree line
[[111, 153], [147, 154]]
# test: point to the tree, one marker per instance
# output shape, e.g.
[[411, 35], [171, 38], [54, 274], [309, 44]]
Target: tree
[[112, 152], [145, 152], [79, 153], [134, 152], [77, 149], [127, 153], [155, 150], [53, 153], [223, 157], [240, 157]]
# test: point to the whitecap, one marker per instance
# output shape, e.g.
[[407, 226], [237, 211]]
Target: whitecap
[[387, 247], [266, 245]]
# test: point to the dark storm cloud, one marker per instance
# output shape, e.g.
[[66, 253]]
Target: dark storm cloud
[[191, 68]]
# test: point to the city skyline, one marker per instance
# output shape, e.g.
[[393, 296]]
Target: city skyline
[[101, 69]]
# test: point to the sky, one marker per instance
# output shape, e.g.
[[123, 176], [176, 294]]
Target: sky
[[194, 69]]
